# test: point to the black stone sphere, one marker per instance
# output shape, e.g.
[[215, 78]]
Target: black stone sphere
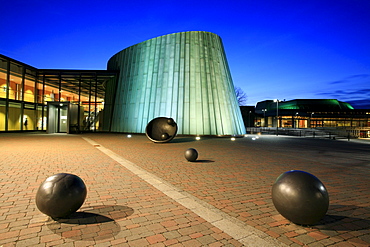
[[161, 129], [61, 195], [300, 197], [191, 154]]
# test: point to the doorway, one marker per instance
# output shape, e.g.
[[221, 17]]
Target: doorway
[[57, 117]]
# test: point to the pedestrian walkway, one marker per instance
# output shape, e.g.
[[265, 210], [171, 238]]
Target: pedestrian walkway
[[146, 194]]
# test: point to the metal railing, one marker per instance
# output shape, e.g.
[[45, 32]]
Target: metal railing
[[330, 133]]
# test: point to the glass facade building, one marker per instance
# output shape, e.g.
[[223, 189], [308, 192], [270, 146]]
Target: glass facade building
[[184, 76], [51, 100], [310, 113]]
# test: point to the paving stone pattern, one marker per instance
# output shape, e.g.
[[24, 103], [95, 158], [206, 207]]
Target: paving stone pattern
[[120, 208], [123, 210], [237, 177]]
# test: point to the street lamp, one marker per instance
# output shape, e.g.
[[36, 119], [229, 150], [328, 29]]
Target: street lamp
[[296, 121], [264, 117], [277, 116], [311, 119]]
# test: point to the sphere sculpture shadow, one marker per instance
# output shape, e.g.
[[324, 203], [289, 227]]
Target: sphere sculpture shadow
[[161, 129], [191, 154], [300, 197], [61, 195]]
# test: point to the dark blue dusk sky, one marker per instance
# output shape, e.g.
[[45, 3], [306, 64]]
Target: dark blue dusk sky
[[275, 49]]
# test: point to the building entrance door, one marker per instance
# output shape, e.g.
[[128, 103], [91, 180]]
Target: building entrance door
[[58, 117]]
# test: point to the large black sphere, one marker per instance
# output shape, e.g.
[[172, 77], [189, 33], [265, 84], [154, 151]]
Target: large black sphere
[[61, 195], [161, 129], [191, 154], [300, 197]]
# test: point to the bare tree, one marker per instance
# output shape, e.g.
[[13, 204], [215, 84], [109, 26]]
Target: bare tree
[[241, 96]]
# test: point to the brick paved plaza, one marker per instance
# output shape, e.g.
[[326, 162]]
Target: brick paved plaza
[[141, 193]]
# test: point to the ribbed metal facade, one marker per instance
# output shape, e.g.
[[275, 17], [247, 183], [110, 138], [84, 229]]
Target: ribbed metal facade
[[184, 76]]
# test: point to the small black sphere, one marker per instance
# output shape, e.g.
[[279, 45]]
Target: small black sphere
[[61, 195], [300, 197], [191, 154]]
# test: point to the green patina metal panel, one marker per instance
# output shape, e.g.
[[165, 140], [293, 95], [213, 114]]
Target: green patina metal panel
[[182, 75]]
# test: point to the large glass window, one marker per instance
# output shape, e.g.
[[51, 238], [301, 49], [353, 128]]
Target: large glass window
[[49, 93], [41, 118], [2, 115], [3, 86], [29, 86], [29, 119], [15, 117], [15, 84], [39, 92]]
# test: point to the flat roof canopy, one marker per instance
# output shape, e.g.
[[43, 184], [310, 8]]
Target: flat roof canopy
[[85, 81]]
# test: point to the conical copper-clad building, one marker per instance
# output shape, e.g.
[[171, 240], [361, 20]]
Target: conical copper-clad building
[[184, 76]]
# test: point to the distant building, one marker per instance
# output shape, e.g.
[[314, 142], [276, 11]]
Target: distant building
[[184, 76], [310, 113]]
